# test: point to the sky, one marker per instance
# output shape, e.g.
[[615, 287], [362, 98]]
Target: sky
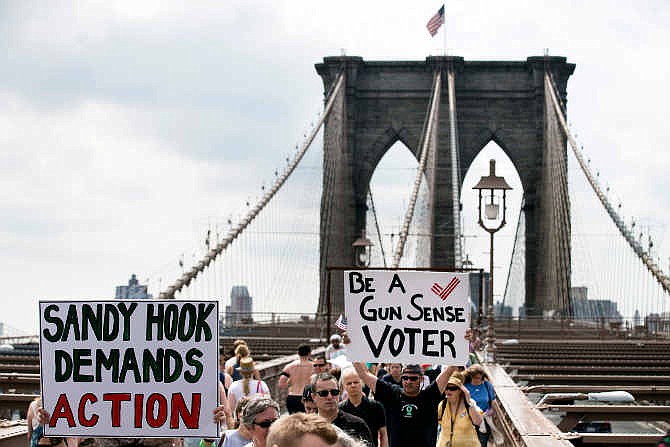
[[126, 124]]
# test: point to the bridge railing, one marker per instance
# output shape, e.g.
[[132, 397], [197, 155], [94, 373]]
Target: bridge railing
[[599, 327]]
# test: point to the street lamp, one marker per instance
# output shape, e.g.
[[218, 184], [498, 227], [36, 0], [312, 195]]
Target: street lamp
[[362, 251], [497, 187]]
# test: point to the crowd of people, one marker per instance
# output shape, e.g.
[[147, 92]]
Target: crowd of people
[[331, 402]]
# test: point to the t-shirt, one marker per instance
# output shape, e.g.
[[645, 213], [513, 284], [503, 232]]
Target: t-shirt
[[388, 378], [255, 387], [482, 393], [410, 421], [371, 411], [234, 439], [456, 429], [333, 352], [353, 426]]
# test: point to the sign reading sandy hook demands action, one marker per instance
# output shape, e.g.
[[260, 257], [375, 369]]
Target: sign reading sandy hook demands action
[[407, 316], [129, 368]]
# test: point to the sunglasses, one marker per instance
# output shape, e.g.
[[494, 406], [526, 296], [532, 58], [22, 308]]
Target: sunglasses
[[410, 378], [319, 365], [324, 393], [453, 388], [265, 424]]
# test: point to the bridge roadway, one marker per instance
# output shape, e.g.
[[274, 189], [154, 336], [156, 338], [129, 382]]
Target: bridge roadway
[[533, 362]]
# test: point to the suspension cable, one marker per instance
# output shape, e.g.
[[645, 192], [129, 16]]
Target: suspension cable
[[435, 100], [455, 171], [379, 233], [199, 267], [645, 257]]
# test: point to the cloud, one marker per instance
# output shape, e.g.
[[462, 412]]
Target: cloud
[[126, 127]]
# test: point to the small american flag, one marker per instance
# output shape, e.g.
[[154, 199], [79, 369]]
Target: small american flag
[[436, 21], [341, 322]]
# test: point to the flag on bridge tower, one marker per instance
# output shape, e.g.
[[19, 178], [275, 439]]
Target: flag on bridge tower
[[436, 21]]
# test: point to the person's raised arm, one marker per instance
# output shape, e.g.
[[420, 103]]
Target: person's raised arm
[[443, 377], [473, 409], [366, 376]]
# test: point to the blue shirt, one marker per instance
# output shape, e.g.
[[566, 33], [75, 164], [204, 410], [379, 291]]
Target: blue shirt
[[482, 394]]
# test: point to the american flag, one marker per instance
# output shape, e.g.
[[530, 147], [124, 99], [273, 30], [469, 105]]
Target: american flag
[[436, 21], [341, 322]]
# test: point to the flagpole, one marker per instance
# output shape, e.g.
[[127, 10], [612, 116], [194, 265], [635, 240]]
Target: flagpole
[[444, 28]]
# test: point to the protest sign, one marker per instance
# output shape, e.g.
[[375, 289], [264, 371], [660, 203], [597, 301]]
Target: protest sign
[[407, 316], [129, 369]]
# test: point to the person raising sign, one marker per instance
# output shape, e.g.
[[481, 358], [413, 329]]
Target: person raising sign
[[410, 411]]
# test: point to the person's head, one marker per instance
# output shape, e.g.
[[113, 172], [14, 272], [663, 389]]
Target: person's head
[[326, 393], [395, 369], [259, 414], [239, 408], [304, 350], [475, 374], [308, 400], [241, 351], [319, 365], [346, 440], [453, 390], [336, 372], [345, 338], [247, 367], [302, 430], [352, 383], [468, 334], [335, 340], [412, 376]]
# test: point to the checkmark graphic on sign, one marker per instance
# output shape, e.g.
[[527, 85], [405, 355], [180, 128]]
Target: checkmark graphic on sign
[[444, 292]]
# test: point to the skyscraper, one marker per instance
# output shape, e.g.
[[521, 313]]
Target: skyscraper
[[133, 291], [240, 308]]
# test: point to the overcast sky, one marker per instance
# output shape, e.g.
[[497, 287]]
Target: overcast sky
[[124, 124]]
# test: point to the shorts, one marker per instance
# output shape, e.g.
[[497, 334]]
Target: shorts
[[294, 404]]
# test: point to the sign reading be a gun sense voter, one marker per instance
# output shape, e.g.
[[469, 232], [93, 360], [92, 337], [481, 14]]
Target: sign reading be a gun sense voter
[[129, 368], [407, 316]]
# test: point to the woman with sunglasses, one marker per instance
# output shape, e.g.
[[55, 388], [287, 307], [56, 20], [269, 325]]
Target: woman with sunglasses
[[257, 417], [458, 416]]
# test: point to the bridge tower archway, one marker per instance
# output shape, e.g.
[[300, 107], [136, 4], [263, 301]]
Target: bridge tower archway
[[387, 101]]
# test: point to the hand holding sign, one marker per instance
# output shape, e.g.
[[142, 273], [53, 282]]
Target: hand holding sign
[[403, 316]]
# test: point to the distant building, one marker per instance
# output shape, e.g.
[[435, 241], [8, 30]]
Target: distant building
[[477, 291], [586, 309], [502, 311], [133, 291], [240, 308]]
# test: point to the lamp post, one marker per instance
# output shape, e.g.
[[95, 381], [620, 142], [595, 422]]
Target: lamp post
[[362, 251], [497, 187]]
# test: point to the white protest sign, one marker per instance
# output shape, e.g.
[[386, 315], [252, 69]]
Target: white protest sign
[[407, 316], [121, 368]]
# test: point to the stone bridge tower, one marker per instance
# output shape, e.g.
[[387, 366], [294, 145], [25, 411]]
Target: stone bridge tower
[[384, 102]]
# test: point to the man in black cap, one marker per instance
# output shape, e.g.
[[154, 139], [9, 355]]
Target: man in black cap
[[410, 411]]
